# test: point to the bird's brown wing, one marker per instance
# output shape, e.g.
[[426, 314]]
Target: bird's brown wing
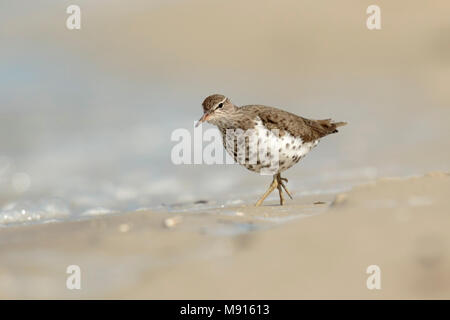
[[307, 129]]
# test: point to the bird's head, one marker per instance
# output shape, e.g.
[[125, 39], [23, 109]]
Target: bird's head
[[216, 108]]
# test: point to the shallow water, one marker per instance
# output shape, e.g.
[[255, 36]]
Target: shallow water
[[85, 130]]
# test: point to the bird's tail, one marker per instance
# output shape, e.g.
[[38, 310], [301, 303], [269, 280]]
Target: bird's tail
[[329, 126], [337, 125]]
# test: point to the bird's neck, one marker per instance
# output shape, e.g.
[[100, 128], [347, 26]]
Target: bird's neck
[[235, 120]]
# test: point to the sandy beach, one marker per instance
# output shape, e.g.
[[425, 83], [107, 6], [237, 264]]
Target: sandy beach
[[401, 225]]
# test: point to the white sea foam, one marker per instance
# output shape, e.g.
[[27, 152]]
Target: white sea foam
[[29, 212], [97, 212]]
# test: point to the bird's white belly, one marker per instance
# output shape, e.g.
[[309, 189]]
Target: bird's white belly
[[282, 151]]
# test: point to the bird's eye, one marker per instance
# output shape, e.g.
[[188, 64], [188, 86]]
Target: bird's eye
[[220, 105]]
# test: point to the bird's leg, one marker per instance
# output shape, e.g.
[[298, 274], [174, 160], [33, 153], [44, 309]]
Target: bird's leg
[[281, 183], [280, 191], [272, 187]]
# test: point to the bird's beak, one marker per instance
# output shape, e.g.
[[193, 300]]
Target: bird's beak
[[203, 118]]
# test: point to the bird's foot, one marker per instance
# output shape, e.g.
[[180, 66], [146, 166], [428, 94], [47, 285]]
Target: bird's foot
[[277, 183], [281, 183]]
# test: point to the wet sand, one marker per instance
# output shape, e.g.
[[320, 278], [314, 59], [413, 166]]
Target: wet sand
[[315, 247]]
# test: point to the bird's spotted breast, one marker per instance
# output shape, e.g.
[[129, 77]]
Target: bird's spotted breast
[[282, 148]]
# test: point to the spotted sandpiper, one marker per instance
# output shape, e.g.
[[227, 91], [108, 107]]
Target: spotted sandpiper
[[289, 135]]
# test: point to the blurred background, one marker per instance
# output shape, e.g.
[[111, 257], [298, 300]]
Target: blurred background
[[86, 115]]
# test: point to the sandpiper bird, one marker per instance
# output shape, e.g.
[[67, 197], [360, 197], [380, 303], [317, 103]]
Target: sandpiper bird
[[291, 136]]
